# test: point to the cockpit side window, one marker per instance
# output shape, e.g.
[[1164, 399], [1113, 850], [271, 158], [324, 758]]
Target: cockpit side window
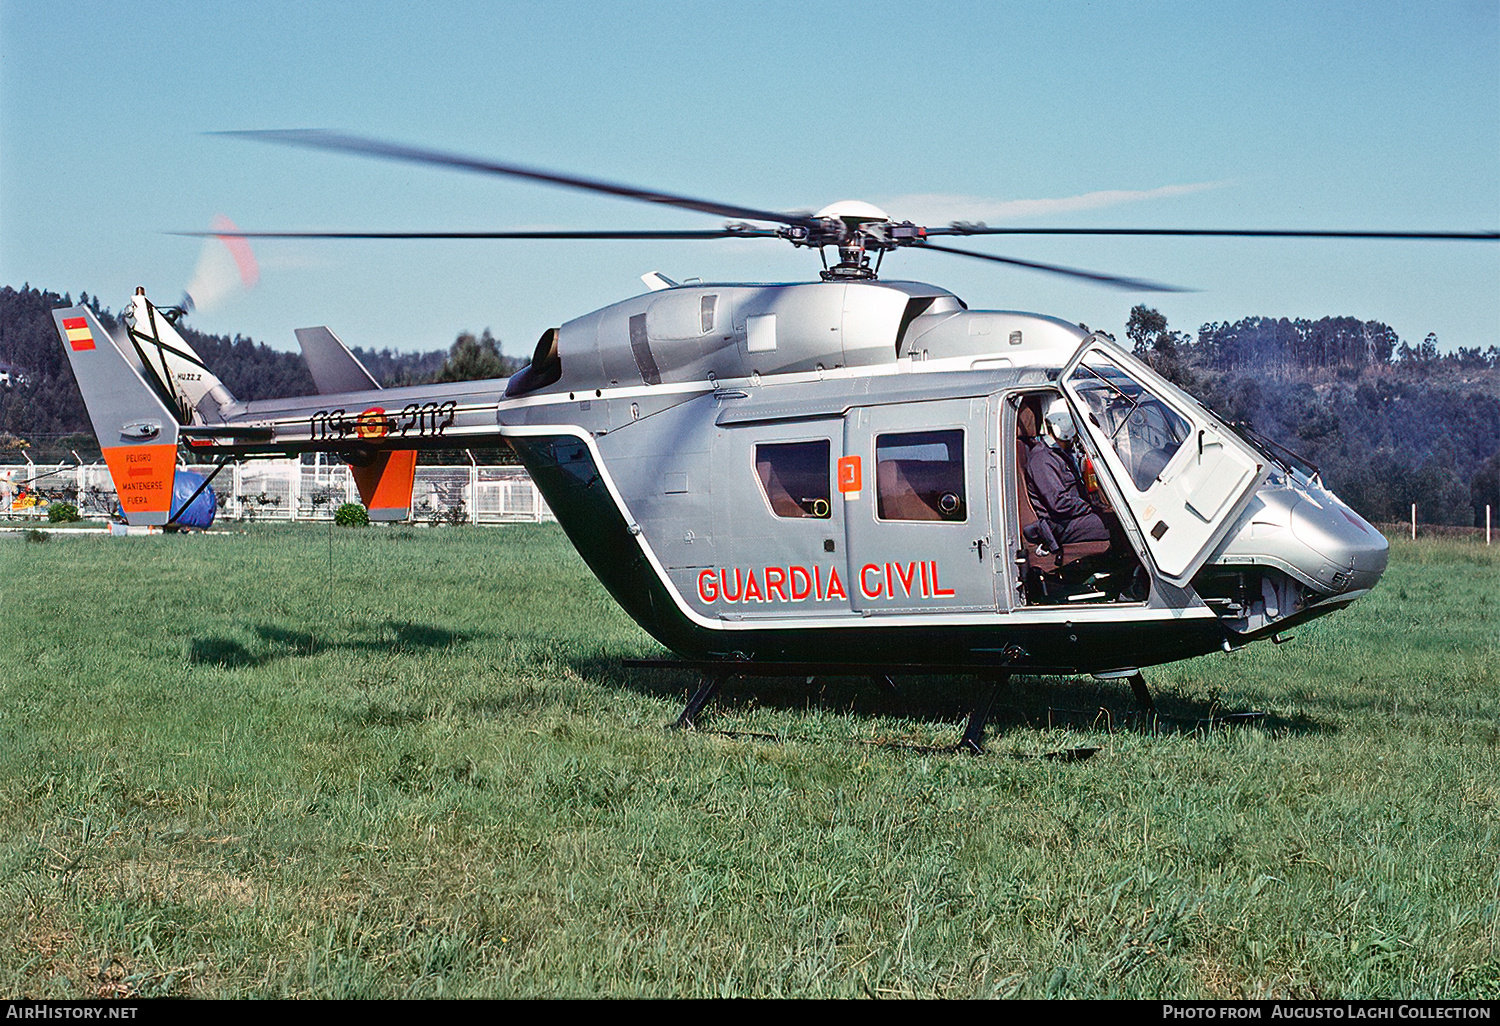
[[795, 478], [920, 476], [1145, 432]]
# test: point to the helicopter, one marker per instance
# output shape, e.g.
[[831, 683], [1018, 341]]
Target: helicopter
[[814, 478]]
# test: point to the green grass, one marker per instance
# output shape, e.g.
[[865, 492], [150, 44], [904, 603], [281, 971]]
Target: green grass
[[390, 762]]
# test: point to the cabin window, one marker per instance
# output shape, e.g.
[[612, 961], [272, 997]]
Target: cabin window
[[795, 478], [920, 476], [1145, 432]]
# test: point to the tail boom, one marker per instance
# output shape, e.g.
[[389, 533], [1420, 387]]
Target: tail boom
[[147, 389]]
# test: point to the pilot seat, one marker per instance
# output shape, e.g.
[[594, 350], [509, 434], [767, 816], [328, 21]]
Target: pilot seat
[[1060, 574]]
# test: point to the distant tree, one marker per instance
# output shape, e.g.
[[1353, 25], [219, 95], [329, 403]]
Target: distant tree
[[1484, 490], [393, 368], [1380, 342], [476, 359], [1157, 344], [1240, 401], [1148, 332], [1469, 358]]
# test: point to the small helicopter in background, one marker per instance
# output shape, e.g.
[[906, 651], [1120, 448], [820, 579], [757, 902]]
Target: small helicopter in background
[[816, 478]]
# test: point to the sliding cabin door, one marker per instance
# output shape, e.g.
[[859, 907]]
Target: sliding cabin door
[[915, 493]]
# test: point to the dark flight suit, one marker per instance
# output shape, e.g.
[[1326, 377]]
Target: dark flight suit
[[1058, 498]]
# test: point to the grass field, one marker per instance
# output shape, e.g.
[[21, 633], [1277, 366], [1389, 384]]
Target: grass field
[[309, 762]]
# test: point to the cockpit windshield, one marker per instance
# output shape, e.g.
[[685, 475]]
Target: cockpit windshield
[[1145, 432], [1277, 454]]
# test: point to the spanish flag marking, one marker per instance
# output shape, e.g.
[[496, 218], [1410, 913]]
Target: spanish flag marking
[[79, 336]]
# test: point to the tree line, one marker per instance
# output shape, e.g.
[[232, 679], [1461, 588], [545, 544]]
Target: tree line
[[42, 409], [1387, 423]]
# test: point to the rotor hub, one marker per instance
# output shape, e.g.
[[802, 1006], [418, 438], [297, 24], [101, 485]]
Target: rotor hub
[[855, 227]]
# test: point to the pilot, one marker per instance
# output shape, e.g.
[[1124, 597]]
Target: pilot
[[1055, 484]]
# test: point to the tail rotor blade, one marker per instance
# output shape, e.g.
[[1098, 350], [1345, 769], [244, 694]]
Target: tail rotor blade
[[225, 266]]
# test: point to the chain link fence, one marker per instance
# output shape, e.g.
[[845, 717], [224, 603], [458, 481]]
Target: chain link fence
[[288, 490]]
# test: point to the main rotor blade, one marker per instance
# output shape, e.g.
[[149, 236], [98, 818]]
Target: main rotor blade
[[1113, 281], [747, 232], [1252, 233], [321, 139]]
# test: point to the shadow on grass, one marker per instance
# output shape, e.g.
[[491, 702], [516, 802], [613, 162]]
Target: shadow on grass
[[1029, 703], [278, 643]]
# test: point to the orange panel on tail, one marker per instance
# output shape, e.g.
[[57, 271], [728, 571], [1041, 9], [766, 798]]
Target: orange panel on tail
[[385, 485], [143, 480]]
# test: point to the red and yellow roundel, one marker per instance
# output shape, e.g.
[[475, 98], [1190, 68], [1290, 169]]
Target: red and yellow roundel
[[371, 423]]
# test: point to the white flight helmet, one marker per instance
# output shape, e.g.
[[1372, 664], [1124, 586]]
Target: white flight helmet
[[1060, 423]]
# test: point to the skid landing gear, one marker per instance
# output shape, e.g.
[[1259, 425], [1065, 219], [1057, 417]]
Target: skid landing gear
[[716, 673], [1138, 688], [710, 687], [1142, 693], [990, 688]]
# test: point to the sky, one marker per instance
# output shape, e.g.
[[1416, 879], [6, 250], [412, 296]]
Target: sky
[[1263, 114]]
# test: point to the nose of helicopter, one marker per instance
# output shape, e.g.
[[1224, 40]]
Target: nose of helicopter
[[1357, 552]]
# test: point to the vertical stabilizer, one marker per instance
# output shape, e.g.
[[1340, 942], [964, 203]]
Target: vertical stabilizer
[[384, 484], [175, 372], [334, 368], [136, 430]]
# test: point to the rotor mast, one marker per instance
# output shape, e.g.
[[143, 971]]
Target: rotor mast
[[857, 229]]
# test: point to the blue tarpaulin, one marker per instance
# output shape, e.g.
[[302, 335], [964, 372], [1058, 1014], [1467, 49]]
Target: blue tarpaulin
[[201, 513]]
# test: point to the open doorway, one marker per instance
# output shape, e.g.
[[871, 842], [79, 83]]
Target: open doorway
[[1073, 548]]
